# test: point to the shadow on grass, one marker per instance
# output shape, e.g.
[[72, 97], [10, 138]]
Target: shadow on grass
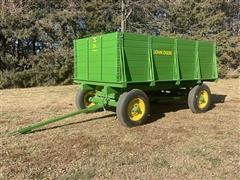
[[158, 111], [218, 98], [73, 123]]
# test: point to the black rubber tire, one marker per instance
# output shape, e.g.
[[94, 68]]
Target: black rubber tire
[[122, 108], [193, 96], [79, 99]]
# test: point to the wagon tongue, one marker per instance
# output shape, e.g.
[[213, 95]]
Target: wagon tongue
[[29, 128]]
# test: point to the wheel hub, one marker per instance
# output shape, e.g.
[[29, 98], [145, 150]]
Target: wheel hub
[[87, 97], [136, 109], [203, 99]]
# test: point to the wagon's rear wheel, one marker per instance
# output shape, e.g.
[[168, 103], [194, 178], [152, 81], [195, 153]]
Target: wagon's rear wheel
[[82, 99], [133, 108], [199, 98]]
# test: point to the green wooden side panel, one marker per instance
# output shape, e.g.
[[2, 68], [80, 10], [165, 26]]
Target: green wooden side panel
[[136, 55], [97, 58], [110, 59], [163, 59], [81, 58], [195, 59], [206, 59], [187, 59], [94, 61]]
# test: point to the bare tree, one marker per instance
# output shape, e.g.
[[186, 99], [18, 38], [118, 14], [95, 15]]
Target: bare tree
[[142, 15], [125, 13]]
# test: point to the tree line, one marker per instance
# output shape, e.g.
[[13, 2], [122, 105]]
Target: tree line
[[36, 36]]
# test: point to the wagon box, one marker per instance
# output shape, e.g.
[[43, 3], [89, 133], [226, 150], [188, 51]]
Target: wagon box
[[119, 69]]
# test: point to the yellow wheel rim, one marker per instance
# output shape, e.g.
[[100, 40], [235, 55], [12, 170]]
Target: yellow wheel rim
[[136, 109], [88, 103], [203, 99]]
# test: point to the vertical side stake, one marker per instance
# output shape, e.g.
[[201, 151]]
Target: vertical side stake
[[151, 63], [215, 71], [177, 74], [198, 65], [122, 61]]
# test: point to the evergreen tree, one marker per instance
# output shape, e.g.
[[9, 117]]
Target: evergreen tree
[[36, 36]]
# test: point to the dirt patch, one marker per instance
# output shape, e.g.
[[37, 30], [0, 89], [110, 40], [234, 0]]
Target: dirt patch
[[175, 145]]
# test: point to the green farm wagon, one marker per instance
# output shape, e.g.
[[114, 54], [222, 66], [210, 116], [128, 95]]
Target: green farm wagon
[[124, 71]]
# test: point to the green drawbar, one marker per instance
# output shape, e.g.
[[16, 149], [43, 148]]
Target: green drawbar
[[29, 128]]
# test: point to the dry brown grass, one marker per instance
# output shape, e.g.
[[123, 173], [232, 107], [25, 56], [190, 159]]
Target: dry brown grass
[[176, 145]]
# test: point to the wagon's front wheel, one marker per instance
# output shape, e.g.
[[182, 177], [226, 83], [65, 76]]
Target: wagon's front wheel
[[133, 108], [82, 99], [199, 98]]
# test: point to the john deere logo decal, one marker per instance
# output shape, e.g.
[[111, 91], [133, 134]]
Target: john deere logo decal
[[159, 52], [94, 44]]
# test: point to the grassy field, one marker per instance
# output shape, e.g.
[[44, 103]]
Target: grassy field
[[175, 145]]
